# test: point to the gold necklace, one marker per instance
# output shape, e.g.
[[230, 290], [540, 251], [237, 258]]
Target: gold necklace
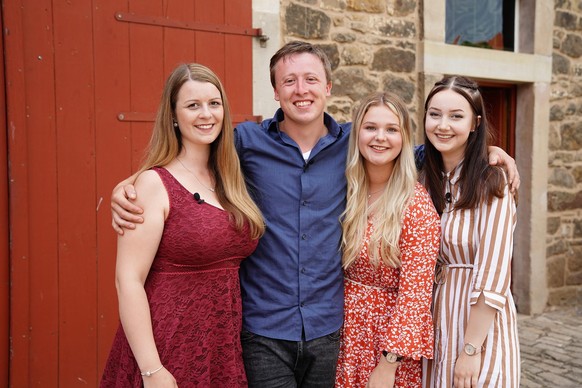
[[375, 192], [192, 172]]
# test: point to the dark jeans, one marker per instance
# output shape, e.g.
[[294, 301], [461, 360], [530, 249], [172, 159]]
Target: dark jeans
[[271, 363]]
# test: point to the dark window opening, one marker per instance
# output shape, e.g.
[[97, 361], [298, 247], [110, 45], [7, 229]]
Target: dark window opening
[[486, 24]]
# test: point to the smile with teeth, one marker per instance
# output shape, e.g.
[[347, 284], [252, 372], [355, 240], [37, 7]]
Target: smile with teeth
[[379, 148], [445, 137], [302, 103], [204, 126]]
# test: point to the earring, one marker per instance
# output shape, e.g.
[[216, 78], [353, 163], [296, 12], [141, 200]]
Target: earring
[[175, 124]]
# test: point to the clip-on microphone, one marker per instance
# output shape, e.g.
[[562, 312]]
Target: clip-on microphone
[[198, 199]]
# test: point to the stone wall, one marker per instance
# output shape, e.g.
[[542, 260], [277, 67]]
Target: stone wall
[[372, 45], [564, 249]]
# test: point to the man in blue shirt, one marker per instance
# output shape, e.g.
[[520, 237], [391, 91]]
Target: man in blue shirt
[[292, 285]]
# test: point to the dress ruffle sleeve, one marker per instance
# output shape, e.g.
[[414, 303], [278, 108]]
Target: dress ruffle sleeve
[[410, 330]]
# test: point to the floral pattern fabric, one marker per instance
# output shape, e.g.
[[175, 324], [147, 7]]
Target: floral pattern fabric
[[389, 308]]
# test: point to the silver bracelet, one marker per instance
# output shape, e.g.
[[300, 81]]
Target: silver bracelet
[[149, 373]]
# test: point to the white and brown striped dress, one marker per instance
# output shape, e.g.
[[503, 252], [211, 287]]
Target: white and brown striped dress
[[474, 259]]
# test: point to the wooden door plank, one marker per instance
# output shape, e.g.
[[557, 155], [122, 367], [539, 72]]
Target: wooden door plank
[[17, 144], [179, 45], [74, 68], [147, 74], [4, 231], [113, 156], [210, 46], [238, 58], [31, 108]]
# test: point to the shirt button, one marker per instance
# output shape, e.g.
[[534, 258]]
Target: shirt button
[[302, 304], [302, 270], [304, 237], [304, 203]]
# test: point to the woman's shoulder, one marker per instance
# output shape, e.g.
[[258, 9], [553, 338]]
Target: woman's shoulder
[[421, 202], [149, 183]]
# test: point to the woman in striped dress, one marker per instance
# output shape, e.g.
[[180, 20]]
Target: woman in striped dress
[[476, 342]]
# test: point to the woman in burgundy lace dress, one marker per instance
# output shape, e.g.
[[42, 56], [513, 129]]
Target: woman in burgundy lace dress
[[177, 273]]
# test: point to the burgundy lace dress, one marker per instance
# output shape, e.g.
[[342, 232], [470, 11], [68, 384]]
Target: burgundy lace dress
[[194, 296]]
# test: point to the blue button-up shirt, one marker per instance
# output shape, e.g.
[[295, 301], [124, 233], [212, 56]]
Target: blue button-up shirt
[[292, 285]]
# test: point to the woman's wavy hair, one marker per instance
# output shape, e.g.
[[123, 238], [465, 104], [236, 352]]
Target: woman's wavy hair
[[389, 209], [166, 144], [476, 168]]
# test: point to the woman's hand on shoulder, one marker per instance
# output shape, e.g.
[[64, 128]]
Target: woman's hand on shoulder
[[498, 157], [124, 213]]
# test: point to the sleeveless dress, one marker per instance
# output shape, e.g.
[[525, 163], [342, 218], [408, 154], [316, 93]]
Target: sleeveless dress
[[388, 308], [194, 297], [474, 260]]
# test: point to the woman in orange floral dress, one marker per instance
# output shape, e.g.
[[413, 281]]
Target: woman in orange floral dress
[[391, 235]]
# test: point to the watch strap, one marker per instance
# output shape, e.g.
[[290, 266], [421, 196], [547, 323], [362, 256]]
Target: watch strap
[[391, 359]]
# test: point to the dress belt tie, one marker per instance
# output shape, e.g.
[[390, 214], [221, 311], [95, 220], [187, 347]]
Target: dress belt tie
[[373, 287], [440, 276]]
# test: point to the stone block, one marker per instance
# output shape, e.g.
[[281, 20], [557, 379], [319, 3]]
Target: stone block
[[566, 20], [370, 6], [571, 134], [353, 83], [572, 46], [306, 22], [558, 201], [561, 177], [556, 268], [560, 64], [399, 86], [392, 59]]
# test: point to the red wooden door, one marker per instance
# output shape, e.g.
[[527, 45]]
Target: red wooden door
[[82, 85]]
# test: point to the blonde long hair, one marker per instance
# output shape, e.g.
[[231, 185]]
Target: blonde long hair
[[389, 208], [166, 143]]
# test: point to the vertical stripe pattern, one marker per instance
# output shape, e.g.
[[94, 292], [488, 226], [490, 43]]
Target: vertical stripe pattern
[[475, 259]]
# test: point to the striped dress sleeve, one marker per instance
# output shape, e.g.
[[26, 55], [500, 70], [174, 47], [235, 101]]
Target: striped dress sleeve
[[492, 278]]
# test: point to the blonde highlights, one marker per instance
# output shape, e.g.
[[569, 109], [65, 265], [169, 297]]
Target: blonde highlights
[[388, 210]]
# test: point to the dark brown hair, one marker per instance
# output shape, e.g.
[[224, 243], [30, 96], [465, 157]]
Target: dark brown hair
[[478, 180]]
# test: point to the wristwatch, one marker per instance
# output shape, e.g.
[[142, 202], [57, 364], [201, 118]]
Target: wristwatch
[[391, 357], [471, 349]]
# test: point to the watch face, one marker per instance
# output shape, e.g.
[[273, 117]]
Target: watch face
[[391, 357], [470, 349]]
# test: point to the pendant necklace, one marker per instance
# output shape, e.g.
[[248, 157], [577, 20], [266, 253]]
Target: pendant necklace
[[192, 172]]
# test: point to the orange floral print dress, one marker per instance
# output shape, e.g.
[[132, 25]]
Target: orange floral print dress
[[388, 308]]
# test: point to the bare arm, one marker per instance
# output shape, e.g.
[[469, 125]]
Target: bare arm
[[468, 367], [498, 157], [135, 253], [383, 375], [124, 209]]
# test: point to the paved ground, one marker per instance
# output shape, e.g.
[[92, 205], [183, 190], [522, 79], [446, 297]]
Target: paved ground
[[551, 349]]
